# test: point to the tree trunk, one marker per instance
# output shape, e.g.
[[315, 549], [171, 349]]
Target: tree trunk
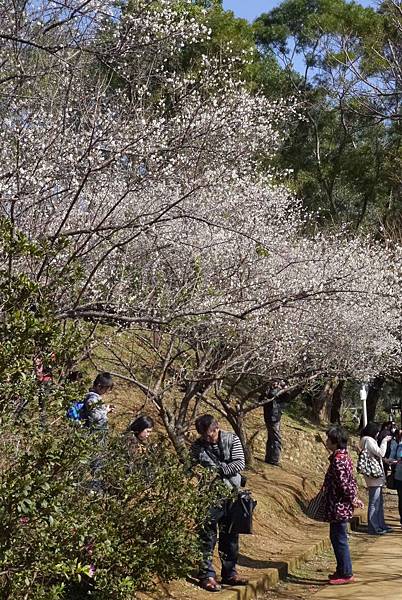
[[335, 414], [237, 422], [373, 396], [175, 435], [322, 402]]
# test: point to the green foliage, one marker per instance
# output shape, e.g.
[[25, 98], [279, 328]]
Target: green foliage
[[65, 536], [29, 329], [339, 155], [303, 22], [235, 37]]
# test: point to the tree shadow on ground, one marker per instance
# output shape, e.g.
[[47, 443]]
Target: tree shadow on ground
[[299, 580], [282, 567], [253, 563]]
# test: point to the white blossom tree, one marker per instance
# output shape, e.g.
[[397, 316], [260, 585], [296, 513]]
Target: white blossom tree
[[104, 144], [143, 183], [271, 304]]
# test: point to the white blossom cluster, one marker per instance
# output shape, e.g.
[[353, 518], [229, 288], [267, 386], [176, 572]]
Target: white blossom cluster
[[150, 174]]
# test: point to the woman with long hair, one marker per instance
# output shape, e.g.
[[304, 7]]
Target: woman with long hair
[[375, 511]]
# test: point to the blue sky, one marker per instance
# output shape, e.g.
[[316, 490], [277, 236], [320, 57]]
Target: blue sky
[[250, 9]]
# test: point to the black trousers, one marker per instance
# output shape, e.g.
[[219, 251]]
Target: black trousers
[[398, 485], [274, 443], [228, 544]]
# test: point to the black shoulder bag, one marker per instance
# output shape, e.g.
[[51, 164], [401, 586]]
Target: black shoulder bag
[[241, 513]]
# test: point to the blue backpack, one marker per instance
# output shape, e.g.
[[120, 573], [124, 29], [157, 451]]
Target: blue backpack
[[77, 411]]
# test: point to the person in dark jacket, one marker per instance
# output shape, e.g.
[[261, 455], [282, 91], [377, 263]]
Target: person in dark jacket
[[384, 431], [220, 451], [340, 498], [272, 418], [396, 457], [390, 432]]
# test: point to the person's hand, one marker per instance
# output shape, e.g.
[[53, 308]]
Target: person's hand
[[357, 503], [109, 408], [388, 438]]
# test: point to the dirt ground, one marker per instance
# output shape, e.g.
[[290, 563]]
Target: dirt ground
[[313, 575], [304, 582], [281, 529]]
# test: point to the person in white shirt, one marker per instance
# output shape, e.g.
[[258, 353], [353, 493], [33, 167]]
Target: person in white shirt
[[375, 512]]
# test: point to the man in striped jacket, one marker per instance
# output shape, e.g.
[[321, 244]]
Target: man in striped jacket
[[222, 452]]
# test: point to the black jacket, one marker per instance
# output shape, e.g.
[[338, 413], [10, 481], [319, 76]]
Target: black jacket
[[272, 412]]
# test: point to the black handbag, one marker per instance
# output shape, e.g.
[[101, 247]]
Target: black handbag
[[240, 517], [391, 479], [315, 509]]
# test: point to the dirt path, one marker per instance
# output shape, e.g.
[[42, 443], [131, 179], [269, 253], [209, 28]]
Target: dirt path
[[377, 566], [378, 572]]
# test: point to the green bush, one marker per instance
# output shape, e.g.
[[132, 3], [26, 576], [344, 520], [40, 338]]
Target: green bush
[[66, 535], [29, 328], [63, 533]]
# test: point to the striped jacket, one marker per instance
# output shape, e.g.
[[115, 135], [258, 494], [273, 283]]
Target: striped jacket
[[226, 457]]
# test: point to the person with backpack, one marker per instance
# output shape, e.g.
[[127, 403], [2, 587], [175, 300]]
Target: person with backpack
[[95, 414], [91, 410], [95, 410], [220, 451]]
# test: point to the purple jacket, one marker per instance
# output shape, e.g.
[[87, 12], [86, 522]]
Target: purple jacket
[[340, 487]]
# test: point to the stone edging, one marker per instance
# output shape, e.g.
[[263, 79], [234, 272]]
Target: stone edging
[[356, 522], [271, 577]]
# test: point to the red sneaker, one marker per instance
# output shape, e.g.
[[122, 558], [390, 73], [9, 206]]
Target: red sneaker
[[341, 580]]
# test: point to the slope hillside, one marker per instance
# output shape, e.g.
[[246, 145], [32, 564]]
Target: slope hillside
[[281, 529]]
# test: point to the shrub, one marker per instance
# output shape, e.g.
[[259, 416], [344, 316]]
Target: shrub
[[65, 535]]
